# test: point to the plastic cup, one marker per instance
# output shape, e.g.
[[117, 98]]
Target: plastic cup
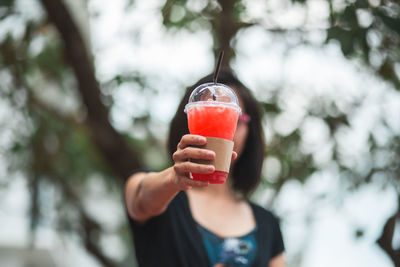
[[213, 112]]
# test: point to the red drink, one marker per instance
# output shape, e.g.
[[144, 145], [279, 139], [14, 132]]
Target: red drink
[[213, 121]]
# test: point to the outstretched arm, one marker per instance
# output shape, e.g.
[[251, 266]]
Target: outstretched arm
[[148, 194]]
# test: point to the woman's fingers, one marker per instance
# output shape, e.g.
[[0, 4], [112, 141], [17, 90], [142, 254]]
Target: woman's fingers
[[193, 153], [187, 150], [187, 183], [187, 166], [191, 140]]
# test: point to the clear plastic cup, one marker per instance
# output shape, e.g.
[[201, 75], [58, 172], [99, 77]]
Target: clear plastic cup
[[213, 112]]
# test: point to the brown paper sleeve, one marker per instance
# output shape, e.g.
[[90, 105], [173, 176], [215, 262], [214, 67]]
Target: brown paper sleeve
[[223, 153]]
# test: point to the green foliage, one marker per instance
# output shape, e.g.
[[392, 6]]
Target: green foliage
[[351, 37], [354, 37], [335, 122], [239, 9], [6, 3], [65, 150], [176, 14], [57, 150], [270, 107], [393, 23], [361, 4], [348, 18], [387, 71], [50, 60]]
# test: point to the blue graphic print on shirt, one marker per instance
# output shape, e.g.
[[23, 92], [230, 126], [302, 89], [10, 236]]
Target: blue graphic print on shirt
[[232, 251]]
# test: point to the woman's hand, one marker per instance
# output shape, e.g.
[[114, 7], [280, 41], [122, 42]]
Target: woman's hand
[[183, 167]]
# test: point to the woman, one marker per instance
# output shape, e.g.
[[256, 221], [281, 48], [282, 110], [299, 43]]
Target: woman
[[177, 221]]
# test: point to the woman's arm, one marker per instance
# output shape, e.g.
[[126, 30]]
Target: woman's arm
[[148, 194], [277, 261]]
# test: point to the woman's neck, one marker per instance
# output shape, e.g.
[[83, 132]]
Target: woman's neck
[[219, 191]]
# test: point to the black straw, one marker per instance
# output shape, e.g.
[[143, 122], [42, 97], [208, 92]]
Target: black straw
[[221, 55]]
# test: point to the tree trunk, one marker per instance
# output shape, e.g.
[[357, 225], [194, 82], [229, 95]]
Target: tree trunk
[[225, 28], [110, 143]]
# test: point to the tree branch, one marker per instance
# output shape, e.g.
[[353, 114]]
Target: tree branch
[[111, 144], [225, 29], [90, 228]]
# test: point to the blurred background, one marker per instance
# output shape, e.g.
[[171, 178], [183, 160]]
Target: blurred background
[[88, 88]]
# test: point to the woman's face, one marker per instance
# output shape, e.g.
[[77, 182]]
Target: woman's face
[[242, 130]]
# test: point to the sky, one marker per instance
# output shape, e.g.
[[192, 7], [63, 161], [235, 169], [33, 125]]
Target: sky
[[126, 41]]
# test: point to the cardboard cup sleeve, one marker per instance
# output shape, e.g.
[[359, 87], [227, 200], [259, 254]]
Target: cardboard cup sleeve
[[223, 153]]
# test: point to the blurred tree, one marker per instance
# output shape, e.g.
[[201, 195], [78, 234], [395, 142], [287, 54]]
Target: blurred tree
[[366, 30], [65, 146]]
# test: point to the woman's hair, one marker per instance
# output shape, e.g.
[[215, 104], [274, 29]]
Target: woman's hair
[[246, 173]]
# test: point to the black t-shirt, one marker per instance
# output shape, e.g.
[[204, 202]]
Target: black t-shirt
[[173, 239]]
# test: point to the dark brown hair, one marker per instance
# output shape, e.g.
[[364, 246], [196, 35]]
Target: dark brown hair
[[246, 173]]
